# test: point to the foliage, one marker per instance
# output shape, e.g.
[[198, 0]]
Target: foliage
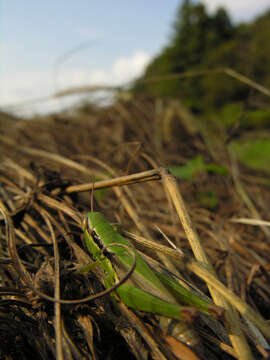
[[253, 153], [257, 119], [259, 49], [194, 167], [230, 114], [208, 199], [202, 41], [234, 114]]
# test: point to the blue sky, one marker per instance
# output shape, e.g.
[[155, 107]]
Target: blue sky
[[117, 39]]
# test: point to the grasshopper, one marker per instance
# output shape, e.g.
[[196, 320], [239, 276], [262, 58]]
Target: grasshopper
[[147, 290]]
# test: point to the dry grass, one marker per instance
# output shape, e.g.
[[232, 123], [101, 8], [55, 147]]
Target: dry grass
[[44, 164]]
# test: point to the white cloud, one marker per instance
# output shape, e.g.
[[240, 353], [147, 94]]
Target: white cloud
[[240, 10], [23, 86], [125, 66], [123, 70]]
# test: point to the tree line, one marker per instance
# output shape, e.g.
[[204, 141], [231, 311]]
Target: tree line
[[202, 43]]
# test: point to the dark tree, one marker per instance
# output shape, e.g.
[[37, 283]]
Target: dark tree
[[202, 41]]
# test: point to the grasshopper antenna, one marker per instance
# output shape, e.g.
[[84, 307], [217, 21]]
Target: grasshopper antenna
[[92, 195]]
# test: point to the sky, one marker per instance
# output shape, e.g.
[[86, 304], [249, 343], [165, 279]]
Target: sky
[[48, 46]]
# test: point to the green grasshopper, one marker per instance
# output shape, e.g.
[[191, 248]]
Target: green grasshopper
[[149, 291]]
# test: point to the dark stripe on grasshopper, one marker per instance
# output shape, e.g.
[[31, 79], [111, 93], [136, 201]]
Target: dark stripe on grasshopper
[[97, 239], [100, 244]]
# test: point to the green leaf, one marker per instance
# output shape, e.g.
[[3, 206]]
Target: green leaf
[[194, 167], [217, 169], [253, 153], [188, 171], [208, 199], [230, 114]]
